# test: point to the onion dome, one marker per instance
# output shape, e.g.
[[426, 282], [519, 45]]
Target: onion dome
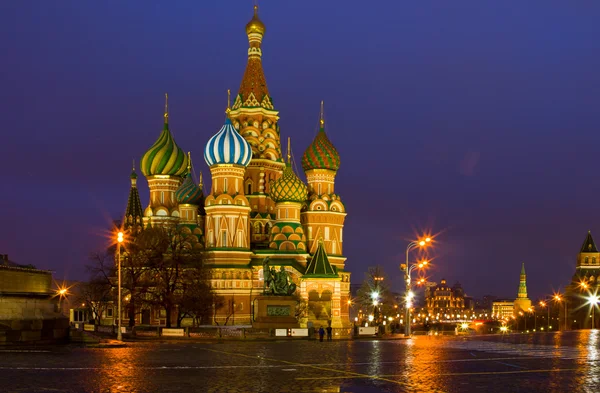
[[227, 147], [289, 187], [189, 192], [321, 154], [255, 25], [164, 157]]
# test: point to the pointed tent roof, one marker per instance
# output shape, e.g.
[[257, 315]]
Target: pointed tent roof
[[253, 91], [588, 244], [523, 269], [319, 265], [133, 212]]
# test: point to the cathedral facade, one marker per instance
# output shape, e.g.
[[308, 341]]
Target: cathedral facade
[[257, 206]]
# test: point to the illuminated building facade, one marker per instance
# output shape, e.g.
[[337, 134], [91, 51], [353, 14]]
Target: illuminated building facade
[[503, 309], [257, 206], [445, 301]]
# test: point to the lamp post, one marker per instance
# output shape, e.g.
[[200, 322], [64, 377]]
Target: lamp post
[[544, 304], [593, 300], [61, 292], [408, 270], [119, 241], [558, 298]]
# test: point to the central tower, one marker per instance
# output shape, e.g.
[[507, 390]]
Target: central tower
[[255, 117]]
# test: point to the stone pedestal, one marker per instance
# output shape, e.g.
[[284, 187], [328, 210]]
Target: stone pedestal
[[276, 312]]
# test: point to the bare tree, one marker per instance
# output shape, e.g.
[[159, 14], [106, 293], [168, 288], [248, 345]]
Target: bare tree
[[374, 293], [197, 296], [170, 257], [97, 294]]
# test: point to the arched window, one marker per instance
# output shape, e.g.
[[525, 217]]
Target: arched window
[[249, 189]]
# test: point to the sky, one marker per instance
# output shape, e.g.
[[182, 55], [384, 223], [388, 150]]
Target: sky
[[476, 120]]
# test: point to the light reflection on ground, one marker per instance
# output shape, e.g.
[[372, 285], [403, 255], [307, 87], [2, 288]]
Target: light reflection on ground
[[548, 362]]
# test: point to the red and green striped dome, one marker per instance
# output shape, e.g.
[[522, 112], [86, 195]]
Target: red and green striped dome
[[321, 154]]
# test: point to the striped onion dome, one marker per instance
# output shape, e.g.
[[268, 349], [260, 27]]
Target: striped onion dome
[[288, 188], [227, 147], [189, 192], [164, 157], [321, 154]]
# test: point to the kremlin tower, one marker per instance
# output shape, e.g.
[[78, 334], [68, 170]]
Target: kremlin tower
[[258, 208], [522, 302]]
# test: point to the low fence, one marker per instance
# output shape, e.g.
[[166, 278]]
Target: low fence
[[215, 332]]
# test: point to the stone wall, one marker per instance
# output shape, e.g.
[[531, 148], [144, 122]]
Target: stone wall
[[28, 309], [26, 281]]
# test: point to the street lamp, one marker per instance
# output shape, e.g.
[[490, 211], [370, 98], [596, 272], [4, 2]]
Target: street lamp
[[593, 300], [61, 292], [408, 270], [558, 298], [119, 241], [543, 304]]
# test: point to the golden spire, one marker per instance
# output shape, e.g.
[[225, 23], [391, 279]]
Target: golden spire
[[189, 161], [321, 120], [200, 184], [228, 101], [166, 108], [133, 164], [289, 152]]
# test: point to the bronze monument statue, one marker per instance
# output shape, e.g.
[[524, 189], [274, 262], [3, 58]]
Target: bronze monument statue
[[277, 283]]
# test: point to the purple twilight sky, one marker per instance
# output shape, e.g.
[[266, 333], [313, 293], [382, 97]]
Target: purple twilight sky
[[476, 119]]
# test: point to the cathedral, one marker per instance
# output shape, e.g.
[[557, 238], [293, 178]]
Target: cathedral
[[257, 206]]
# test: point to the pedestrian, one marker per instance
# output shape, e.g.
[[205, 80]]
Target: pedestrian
[[329, 329], [321, 333]]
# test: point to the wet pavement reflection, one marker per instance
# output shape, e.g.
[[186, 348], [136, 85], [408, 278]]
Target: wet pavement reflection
[[549, 362]]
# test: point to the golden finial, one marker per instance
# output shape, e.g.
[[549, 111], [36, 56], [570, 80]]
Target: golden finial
[[133, 164], [200, 184], [189, 166], [166, 108], [228, 101], [255, 25], [321, 120], [289, 153]]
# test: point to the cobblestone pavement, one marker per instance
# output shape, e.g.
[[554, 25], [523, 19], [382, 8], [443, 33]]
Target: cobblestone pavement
[[561, 362]]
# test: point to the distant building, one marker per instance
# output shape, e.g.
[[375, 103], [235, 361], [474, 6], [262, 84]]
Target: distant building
[[485, 303], [469, 303], [444, 300], [503, 309]]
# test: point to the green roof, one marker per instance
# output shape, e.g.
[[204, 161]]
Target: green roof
[[319, 265]]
